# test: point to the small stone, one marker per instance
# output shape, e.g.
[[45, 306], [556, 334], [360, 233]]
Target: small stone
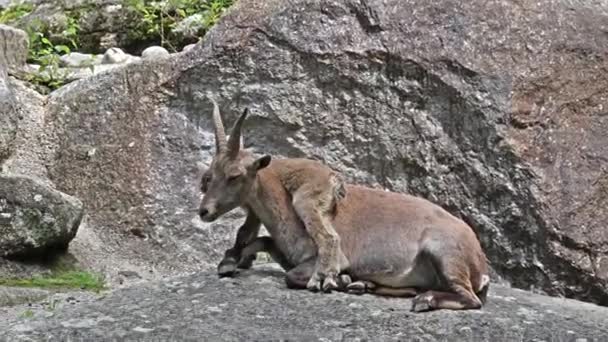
[[465, 331], [143, 330], [114, 56], [154, 52], [188, 47], [355, 305], [77, 59], [79, 323]]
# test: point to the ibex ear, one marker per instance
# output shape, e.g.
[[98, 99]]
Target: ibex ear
[[259, 163]]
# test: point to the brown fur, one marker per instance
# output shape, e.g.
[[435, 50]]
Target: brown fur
[[393, 244]]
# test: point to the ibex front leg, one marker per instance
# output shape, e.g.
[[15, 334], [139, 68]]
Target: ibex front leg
[[233, 257], [313, 204]]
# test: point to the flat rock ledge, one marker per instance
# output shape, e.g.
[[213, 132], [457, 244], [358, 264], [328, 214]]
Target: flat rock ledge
[[256, 306]]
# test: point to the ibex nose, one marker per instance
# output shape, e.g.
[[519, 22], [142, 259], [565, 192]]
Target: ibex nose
[[203, 212]]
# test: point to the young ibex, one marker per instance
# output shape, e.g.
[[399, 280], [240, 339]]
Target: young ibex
[[313, 188], [389, 243]]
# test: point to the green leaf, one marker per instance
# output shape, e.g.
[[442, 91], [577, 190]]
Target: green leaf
[[62, 49]]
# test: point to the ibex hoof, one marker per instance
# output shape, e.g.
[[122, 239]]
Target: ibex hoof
[[227, 268], [360, 287], [329, 284], [344, 281], [423, 302], [326, 284]]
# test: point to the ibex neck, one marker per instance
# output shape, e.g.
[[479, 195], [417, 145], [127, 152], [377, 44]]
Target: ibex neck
[[263, 193]]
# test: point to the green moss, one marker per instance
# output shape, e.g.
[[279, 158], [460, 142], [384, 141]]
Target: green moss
[[65, 273], [27, 314], [60, 280]]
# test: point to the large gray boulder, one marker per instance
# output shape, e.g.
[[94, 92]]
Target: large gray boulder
[[35, 218], [257, 307]]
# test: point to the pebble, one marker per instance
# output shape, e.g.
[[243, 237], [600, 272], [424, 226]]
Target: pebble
[[143, 330]]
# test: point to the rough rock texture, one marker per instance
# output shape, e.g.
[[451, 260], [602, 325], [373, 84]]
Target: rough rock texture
[[10, 296], [257, 307], [445, 99], [35, 218], [8, 116], [13, 47], [28, 153]]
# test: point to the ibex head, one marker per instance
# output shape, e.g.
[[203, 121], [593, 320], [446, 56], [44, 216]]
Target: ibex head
[[232, 173]]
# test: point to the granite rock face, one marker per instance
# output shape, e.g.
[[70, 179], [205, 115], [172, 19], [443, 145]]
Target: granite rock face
[[256, 306]]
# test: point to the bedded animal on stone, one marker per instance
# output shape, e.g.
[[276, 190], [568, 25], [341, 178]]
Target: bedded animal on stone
[[312, 189], [394, 244]]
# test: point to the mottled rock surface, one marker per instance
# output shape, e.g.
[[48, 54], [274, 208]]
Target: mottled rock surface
[[256, 306], [9, 116], [35, 218], [13, 47]]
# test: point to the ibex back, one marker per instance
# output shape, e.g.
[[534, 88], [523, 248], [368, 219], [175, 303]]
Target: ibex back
[[393, 244]]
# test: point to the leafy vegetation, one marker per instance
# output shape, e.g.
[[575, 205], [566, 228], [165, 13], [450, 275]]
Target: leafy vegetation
[[61, 280], [156, 21], [43, 52], [149, 22], [15, 12]]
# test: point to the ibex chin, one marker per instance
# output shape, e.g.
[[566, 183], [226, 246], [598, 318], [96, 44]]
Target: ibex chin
[[379, 242]]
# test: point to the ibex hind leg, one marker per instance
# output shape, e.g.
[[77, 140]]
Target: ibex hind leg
[[314, 203], [454, 290]]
